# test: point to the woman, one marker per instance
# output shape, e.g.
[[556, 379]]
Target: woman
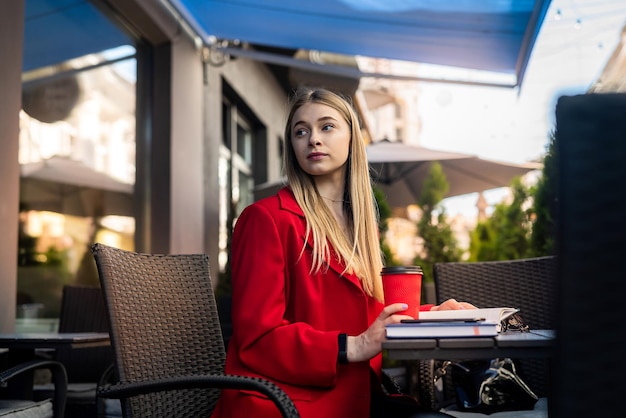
[[308, 309]]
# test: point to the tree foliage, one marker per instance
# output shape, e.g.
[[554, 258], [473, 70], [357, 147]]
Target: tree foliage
[[505, 234], [544, 209], [439, 242], [384, 213], [524, 227]]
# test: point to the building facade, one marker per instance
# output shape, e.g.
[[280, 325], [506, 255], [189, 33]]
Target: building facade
[[191, 131]]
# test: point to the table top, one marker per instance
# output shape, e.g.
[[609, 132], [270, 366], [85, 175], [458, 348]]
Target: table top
[[536, 343], [54, 340]]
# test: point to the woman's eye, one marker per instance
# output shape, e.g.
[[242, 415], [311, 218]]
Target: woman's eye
[[327, 127], [300, 132]]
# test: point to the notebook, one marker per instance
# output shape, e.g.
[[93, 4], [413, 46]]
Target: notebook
[[443, 328]]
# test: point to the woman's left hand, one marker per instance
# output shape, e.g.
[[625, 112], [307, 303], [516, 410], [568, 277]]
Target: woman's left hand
[[451, 305], [369, 343]]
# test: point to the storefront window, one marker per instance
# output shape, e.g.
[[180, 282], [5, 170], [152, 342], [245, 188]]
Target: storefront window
[[77, 161]]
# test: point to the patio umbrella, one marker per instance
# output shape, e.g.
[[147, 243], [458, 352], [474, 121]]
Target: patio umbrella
[[71, 187], [399, 170]]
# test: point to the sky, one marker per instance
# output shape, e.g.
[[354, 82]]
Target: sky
[[575, 41]]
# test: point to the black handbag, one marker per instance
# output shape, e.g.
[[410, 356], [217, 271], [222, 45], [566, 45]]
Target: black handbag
[[490, 386], [482, 386]]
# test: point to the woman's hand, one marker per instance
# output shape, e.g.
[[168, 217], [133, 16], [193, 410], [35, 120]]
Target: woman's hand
[[451, 305], [368, 344]]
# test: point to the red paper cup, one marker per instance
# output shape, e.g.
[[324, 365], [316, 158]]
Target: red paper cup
[[403, 284]]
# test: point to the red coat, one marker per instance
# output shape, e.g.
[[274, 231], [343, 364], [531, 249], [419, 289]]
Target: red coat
[[286, 320]]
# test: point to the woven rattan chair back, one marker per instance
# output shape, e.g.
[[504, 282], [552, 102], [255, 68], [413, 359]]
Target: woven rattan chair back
[[163, 324], [528, 284], [82, 310]]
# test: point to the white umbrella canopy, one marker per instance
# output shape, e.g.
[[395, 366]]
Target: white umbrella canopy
[[399, 171], [70, 187]]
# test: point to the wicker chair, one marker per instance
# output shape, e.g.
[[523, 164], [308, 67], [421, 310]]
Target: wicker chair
[[528, 284], [82, 310], [166, 336], [589, 362], [54, 406]]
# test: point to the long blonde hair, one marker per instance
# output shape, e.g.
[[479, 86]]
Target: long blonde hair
[[362, 255]]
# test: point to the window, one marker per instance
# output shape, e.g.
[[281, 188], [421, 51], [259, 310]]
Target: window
[[77, 160], [236, 175]]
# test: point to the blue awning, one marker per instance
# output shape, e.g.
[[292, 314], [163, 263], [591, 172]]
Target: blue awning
[[59, 30], [489, 35]]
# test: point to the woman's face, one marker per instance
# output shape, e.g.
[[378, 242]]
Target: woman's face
[[320, 137]]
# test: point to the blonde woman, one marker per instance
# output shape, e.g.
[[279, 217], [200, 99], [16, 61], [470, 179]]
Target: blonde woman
[[308, 310]]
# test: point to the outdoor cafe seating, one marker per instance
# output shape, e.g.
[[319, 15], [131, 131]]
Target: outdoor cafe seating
[[13, 404], [76, 370], [175, 316], [527, 284], [82, 310]]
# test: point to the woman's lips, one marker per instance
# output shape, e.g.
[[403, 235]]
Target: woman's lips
[[316, 156]]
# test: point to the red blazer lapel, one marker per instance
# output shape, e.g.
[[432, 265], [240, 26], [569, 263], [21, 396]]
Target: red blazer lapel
[[288, 202]]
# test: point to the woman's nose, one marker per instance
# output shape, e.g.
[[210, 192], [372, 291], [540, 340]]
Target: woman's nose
[[314, 139]]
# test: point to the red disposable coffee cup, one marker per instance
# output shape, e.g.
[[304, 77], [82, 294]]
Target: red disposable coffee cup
[[403, 284]]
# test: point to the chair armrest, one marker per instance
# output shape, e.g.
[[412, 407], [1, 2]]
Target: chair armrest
[[273, 392], [59, 379], [109, 376]]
